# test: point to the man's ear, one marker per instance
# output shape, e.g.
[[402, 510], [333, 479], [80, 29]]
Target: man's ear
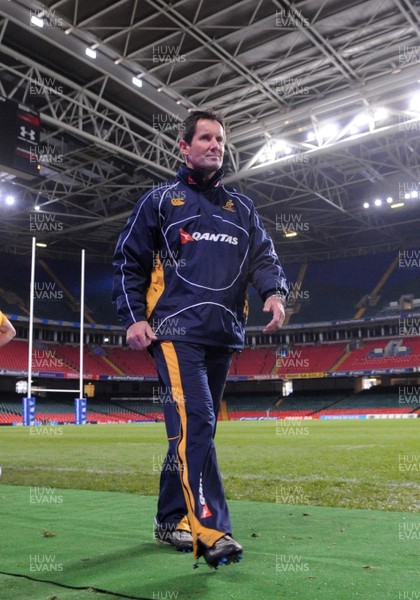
[[184, 147]]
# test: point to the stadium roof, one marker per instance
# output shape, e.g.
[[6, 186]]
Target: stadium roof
[[322, 100]]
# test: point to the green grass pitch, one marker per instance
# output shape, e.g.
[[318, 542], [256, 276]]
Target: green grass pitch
[[353, 464]]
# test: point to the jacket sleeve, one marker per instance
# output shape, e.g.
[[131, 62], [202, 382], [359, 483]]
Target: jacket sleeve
[[133, 261], [265, 270]]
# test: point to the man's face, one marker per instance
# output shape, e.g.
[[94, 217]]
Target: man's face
[[205, 152]]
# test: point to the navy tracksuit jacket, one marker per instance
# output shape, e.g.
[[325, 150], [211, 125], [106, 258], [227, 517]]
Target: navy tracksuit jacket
[[183, 262]]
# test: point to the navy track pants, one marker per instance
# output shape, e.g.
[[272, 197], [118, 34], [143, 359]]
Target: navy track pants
[[192, 379]]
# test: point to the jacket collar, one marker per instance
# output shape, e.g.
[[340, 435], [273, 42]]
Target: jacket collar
[[194, 178]]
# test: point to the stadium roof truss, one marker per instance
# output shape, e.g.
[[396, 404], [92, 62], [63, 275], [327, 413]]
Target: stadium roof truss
[[321, 97]]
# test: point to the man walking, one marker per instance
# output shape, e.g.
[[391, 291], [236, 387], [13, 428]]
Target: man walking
[[182, 266]]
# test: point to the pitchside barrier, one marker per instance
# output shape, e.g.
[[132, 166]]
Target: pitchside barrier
[[29, 402]]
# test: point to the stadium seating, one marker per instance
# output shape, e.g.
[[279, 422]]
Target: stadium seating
[[138, 409], [94, 363], [310, 358], [363, 358], [132, 362], [15, 357], [247, 405], [240, 406], [317, 405], [254, 361], [330, 290], [372, 402], [54, 411], [10, 412]]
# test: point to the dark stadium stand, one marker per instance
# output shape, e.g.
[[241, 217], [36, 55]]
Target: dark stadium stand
[[57, 289], [330, 290], [401, 282], [98, 287], [255, 316], [14, 291], [334, 288]]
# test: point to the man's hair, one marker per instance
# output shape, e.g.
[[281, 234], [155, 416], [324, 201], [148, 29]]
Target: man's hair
[[188, 127]]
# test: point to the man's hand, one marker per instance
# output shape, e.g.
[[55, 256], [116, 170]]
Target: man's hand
[[140, 335], [275, 305], [7, 331]]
